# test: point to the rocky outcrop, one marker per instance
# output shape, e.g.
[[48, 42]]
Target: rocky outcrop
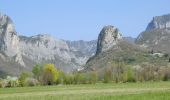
[[9, 41], [43, 47], [108, 38], [111, 48], [68, 55], [159, 22], [157, 35]]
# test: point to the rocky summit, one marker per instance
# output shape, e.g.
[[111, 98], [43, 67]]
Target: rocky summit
[[111, 46], [157, 35], [108, 38], [159, 22], [9, 41]]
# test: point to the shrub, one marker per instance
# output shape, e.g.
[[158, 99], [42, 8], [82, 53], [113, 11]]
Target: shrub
[[23, 77], [61, 76], [130, 75], [82, 79], [92, 77], [76, 78], [13, 83], [68, 79], [50, 74], [108, 76], [164, 73], [3, 83], [31, 82]]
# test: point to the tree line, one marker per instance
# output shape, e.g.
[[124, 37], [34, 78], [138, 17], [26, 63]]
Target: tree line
[[114, 72], [48, 74]]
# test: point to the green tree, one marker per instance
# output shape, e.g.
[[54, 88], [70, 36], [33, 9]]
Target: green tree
[[76, 77], [50, 74], [92, 77], [68, 79], [23, 76], [61, 76], [130, 75], [82, 78], [108, 76], [37, 71]]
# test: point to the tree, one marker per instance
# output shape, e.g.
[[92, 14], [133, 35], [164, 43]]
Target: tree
[[108, 76], [83, 79], [61, 76], [37, 70], [118, 69], [92, 77], [50, 74], [68, 79], [23, 77], [76, 77], [130, 75]]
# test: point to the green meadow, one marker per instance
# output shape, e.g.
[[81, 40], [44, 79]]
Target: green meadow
[[99, 91]]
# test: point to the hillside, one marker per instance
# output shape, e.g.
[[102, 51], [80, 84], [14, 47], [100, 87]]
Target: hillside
[[122, 54], [157, 35]]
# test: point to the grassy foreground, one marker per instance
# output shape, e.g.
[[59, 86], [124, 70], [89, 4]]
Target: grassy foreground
[[100, 91]]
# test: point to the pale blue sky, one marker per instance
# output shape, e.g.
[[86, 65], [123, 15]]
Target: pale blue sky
[[82, 19]]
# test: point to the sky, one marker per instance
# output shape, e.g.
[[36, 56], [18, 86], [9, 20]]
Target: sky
[[82, 19]]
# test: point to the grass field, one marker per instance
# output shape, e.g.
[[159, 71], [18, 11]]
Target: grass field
[[100, 91]]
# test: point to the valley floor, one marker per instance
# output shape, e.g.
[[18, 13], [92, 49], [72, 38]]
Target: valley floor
[[100, 91]]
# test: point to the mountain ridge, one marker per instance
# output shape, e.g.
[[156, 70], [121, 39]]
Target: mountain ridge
[[157, 35], [22, 52]]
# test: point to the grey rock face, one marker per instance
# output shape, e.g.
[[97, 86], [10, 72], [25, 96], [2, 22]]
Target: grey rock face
[[157, 35], [41, 48], [9, 41], [108, 38], [159, 22], [112, 47], [87, 48], [17, 51]]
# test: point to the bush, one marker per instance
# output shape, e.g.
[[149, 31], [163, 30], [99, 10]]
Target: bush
[[92, 77], [23, 77], [76, 78], [108, 76], [13, 83], [3, 83], [31, 82], [61, 76], [82, 79], [128, 74], [164, 73], [146, 72], [68, 79]]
